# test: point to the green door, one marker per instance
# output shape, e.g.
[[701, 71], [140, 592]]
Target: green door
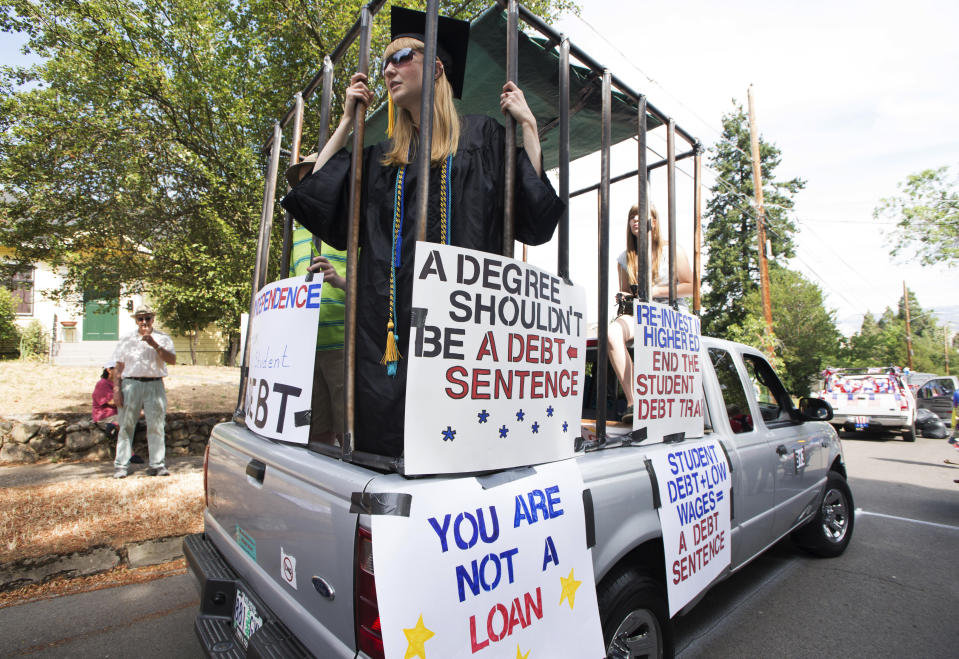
[[101, 315]]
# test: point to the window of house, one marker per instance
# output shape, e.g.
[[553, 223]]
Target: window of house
[[21, 287]]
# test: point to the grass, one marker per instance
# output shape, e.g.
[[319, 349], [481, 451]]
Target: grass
[[30, 388], [65, 517]]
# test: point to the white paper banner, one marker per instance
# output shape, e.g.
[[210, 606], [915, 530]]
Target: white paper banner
[[694, 490], [497, 357], [500, 572], [667, 372], [282, 351]]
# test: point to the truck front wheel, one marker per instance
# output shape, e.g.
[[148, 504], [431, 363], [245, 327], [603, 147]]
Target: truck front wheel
[[829, 532], [635, 616], [909, 434]]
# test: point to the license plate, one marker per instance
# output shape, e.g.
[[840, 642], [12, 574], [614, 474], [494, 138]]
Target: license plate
[[246, 620], [861, 422]]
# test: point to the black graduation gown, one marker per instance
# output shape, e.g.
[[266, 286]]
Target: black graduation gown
[[321, 203]]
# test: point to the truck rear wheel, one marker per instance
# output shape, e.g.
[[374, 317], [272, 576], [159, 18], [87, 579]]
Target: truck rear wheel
[[909, 434], [635, 616], [829, 532]]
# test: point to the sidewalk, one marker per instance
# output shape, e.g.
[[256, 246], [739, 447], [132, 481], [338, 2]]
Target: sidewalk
[[93, 560]]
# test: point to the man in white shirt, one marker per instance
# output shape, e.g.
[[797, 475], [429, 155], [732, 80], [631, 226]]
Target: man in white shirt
[[142, 357]]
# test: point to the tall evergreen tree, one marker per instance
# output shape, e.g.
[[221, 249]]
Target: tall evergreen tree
[[732, 268]]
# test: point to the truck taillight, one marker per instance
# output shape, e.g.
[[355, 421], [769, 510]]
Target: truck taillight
[[369, 637], [206, 464]]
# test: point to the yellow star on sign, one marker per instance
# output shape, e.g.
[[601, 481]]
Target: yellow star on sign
[[569, 588], [417, 637], [519, 653]]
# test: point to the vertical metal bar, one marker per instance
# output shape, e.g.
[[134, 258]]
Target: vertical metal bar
[[642, 201], [262, 259], [294, 158], [352, 245], [423, 152], [509, 165], [326, 97], [671, 206], [602, 357], [697, 227], [562, 257]]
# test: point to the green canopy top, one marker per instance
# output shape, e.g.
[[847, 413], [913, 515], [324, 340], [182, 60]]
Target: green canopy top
[[539, 80]]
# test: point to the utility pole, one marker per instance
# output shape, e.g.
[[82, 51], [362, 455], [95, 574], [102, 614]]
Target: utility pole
[[760, 214], [905, 295]]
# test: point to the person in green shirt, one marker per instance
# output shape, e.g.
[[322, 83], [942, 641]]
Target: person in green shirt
[[326, 416]]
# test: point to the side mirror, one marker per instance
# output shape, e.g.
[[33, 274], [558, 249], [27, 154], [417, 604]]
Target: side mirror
[[814, 409]]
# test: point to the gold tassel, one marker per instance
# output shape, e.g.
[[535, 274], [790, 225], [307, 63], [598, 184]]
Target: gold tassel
[[392, 354], [391, 118]]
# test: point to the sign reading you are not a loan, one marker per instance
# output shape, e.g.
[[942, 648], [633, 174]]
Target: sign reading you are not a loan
[[496, 363]]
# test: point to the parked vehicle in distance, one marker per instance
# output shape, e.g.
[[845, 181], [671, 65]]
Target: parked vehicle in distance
[[875, 398], [265, 498], [935, 395]]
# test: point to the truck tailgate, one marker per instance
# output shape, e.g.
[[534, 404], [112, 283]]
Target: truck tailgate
[[280, 516]]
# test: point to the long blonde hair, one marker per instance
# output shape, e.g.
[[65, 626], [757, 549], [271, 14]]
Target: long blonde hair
[[655, 243], [446, 121]]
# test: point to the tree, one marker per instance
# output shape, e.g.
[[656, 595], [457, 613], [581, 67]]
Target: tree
[[806, 337], [732, 269], [927, 217], [9, 332], [131, 155]]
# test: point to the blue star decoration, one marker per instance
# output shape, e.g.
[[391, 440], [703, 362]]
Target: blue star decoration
[[483, 416], [549, 411], [565, 426], [520, 415], [503, 431], [535, 427], [449, 434]]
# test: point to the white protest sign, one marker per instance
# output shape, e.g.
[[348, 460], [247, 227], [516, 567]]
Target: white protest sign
[[497, 355], [282, 350], [498, 572], [694, 490], [667, 372]]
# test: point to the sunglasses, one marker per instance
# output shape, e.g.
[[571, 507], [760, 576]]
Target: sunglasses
[[402, 56], [143, 319]]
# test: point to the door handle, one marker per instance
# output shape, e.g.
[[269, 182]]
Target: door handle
[[781, 450], [256, 470]]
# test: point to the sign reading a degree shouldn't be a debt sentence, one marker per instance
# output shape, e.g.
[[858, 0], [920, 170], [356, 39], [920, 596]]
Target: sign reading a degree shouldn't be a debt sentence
[[497, 354]]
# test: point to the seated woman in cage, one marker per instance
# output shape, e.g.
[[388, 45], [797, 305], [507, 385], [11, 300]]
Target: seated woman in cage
[[621, 329], [465, 204]]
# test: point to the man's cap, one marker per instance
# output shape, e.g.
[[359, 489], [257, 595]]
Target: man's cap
[[143, 310], [452, 41], [293, 172], [110, 364]]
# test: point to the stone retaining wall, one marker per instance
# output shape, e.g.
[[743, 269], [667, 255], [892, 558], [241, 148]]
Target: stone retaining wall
[[59, 437]]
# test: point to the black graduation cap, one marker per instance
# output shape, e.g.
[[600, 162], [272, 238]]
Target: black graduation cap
[[452, 41]]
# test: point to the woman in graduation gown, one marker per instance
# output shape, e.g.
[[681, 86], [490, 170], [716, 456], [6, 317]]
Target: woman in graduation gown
[[465, 205]]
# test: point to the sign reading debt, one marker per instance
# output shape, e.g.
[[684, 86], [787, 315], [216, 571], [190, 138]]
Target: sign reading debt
[[282, 350], [694, 489], [497, 572], [668, 378], [497, 355]]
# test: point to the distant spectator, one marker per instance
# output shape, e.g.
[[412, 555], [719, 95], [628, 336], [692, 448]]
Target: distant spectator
[[104, 407], [141, 360]]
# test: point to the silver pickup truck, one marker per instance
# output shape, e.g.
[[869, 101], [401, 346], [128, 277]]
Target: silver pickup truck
[[265, 499]]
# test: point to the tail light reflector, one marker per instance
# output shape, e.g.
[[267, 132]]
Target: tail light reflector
[[369, 637]]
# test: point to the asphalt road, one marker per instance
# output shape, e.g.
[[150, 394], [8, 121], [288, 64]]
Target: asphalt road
[[895, 591]]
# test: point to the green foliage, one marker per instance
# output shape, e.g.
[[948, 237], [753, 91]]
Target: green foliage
[[9, 331], [34, 341], [806, 338], [927, 217], [883, 342], [131, 155], [732, 270]]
